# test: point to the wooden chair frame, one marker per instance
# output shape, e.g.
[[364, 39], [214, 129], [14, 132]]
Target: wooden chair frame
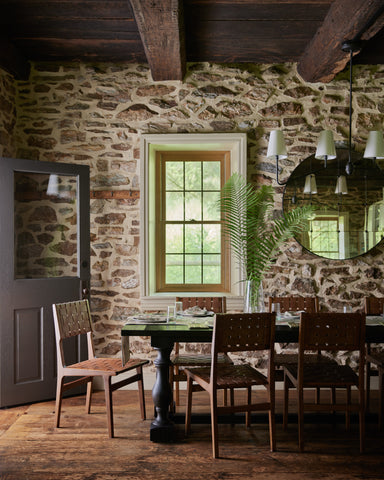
[[179, 361], [331, 332], [375, 306], [72, 319], [237, 333]]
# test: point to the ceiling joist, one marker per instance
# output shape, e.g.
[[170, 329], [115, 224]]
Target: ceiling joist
[[346, 20], [161, 27]]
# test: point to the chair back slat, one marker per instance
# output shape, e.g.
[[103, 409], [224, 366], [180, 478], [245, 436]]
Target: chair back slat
[[73, 318], [295, 303], [243, 332], [374, 305], [332, 331], [212, 304]]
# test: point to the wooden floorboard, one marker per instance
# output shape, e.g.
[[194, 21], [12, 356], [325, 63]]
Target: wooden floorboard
[[32, 449]]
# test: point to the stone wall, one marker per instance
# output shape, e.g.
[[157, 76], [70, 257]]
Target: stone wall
[[7, 114], [95, 115]]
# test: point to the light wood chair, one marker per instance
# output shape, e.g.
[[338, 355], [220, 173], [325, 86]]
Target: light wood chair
[[73, 319], [291, 304], [180, 361], [239, 332], [374, 306], [331, 332]]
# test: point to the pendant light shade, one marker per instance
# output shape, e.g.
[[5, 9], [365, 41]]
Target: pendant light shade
[[375, 145], [326, 146], [276, 145], [310, 184], [341, 185]]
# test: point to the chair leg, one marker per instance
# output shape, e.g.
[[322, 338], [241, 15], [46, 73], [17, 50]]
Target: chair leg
[[140, 384], [300, 417], [272, 419], [348, 413], [108, 404], [248, 413], [59, 394], [177, 388], [362, 419], [89, 396], [188, 408], [286, 399], [381, 397], [215, 439], [368, 380]]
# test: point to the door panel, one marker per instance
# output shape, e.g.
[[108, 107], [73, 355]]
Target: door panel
[[44, 235]]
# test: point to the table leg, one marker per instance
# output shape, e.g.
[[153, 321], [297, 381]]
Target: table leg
[[162, 428]]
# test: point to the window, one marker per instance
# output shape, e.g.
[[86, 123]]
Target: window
[[327, 235], [181, 249], [190, 249]]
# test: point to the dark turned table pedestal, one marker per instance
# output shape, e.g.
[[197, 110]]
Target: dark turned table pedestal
[[163, 338]]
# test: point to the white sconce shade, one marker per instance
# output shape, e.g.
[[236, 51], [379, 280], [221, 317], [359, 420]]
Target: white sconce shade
[[276, 145], [326, 146], [341, 185], [310, 184], [375, 145], [53, 185]]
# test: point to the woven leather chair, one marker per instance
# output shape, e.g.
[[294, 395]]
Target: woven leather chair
[[238, 332], [291, 304], [329, 332], [374, 306], [73, 319], [179, 361]]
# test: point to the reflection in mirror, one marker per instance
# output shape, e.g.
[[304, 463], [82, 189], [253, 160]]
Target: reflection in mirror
[[345, 224]]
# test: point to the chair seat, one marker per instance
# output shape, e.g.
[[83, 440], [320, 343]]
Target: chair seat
[[231, 376], [292, 359], [377, 358], [111, 366], [325, 375], [198, 360]]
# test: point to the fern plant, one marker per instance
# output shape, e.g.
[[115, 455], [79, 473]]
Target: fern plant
[[254, 235]]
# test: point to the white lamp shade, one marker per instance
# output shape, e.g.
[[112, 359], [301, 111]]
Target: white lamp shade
[[53, 185], [276, 145], [375, 145], [325, 146], [341, 185], [310, 184]]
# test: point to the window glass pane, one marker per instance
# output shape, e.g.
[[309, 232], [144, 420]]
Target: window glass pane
[[174, 269], [193, 238], [193, 175], [174, 238], [174, 176], [45, 225], [211, 238], [192, 206], [211, 209], [211, 269], [193, 269], [174, 206], [211, 175]]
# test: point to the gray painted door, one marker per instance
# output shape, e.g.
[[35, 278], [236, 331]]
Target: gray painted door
[[44, 259]]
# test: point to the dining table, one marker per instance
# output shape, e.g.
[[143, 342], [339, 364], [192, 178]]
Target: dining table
[[165, 333]]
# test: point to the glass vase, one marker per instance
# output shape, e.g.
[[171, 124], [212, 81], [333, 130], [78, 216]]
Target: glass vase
[[254, 297]]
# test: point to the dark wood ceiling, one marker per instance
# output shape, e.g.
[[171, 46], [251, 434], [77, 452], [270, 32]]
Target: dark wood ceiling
[[167, 34]]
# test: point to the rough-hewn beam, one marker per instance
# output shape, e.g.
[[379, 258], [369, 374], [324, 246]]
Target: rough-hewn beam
[[12, 61], [346, 20], [161, 28]]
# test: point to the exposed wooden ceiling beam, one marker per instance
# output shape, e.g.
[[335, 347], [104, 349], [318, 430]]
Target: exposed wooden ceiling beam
[[12, 61], [346, 20], [161, 27]]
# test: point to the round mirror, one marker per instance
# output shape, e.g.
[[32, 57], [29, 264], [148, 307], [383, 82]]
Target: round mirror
[[345, 224]]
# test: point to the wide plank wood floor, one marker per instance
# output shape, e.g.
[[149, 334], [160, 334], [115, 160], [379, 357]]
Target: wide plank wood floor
[[32, 449]]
